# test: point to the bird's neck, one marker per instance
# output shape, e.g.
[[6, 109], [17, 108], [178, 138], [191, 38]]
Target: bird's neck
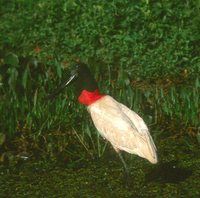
[[87, 98]]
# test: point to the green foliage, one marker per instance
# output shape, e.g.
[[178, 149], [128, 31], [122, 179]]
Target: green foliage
[[2, 138], [11, 59], [198, 137], [147, 37], [128, 45]]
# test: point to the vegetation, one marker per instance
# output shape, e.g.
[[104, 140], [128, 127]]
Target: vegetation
[[144, 53]]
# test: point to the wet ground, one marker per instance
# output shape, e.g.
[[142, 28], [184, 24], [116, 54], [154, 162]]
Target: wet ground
[[176, 175]]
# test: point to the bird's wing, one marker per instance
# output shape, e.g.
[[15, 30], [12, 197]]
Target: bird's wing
[[117, 126], [135, 118], [108, 118], [141, 128]]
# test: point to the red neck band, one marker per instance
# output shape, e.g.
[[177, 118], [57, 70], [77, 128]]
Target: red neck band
[[87, 98]]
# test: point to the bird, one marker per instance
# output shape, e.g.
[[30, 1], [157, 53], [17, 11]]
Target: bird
[[116, 123]]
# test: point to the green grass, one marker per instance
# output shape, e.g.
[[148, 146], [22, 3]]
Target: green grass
[[145, 54], [104, 177]]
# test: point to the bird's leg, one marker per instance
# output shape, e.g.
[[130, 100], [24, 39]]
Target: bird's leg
[[126, 170], [122, 159], [126, 178], [124, 164]]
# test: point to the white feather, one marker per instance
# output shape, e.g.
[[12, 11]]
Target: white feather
[[123, 128]]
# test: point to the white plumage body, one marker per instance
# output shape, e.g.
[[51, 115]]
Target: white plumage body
[[123, 128]]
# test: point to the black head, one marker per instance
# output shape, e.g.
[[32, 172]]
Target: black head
[[82, 79]]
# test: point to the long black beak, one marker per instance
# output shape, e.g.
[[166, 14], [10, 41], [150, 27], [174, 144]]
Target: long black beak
[[59, 89]]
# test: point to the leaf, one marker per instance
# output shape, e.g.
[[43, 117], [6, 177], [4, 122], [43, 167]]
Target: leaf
[[198, 137], [35, 98], [127, 81], [2, 138], [197, 83], [11, 59], [25, 78], [58, 69]]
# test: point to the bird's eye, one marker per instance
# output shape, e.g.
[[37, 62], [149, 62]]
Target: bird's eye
[[77, 67]]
